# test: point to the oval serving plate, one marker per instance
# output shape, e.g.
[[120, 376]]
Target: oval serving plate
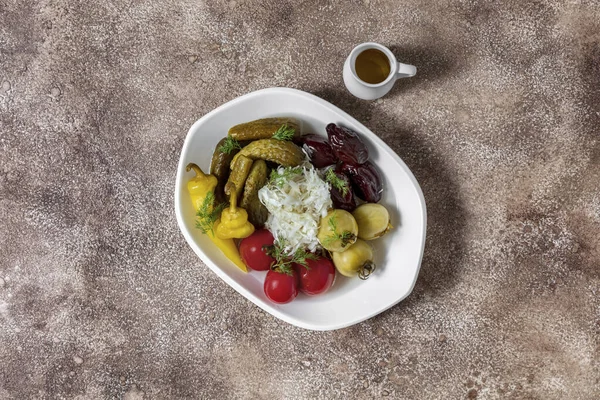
[[397, 255]]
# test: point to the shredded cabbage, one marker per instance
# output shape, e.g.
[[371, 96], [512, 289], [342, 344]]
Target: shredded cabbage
[[296, 198]]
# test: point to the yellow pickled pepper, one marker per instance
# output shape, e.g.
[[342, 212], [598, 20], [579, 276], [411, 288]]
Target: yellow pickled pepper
[[234, 220], [199, 187]]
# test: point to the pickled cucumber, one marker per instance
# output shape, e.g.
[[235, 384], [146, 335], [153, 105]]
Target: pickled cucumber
[[278, 151], [262, 128], [219, 167], [239, 172], [257, 178]]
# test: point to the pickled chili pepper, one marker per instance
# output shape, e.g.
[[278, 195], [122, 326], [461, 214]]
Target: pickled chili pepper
[[201, 189], [200, 185], [234, 220]]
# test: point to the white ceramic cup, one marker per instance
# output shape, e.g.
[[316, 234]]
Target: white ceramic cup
[[370, 91]]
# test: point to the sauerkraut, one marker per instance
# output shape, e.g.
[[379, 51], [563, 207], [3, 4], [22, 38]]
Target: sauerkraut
[[296, 198]]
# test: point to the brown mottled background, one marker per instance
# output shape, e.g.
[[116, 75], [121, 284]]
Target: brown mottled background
[[100, 296]]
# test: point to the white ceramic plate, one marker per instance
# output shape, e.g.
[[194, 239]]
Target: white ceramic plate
[[397, 255]]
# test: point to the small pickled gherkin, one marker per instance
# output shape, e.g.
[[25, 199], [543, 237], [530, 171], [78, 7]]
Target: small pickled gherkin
[[219, 167], [257, 178], [239, 172], [263, 128], [281, 152]]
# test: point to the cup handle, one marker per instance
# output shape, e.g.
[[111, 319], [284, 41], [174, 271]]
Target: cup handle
[[406, 71]]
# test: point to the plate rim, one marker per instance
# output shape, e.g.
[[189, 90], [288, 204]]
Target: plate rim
[[242, 290]]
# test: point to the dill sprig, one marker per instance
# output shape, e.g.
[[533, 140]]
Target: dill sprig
[[284, 262], [337, 182], [345, 237], [284, 132], [229, 145], [278, 178], [207, 213]]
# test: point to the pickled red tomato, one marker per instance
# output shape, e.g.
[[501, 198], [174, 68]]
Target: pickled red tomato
[[317, 277]]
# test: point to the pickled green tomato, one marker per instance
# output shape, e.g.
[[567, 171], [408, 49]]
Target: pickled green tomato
[[337, 231], [373, 221], [357, 260]]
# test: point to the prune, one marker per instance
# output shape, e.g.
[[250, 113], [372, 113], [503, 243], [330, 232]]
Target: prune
[[318, 149], [341, 191], [366, 181], [347, 145]]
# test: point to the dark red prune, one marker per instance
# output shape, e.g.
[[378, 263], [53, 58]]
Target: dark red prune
[[318, 149], [347, 145], [366, 181], [341, 191]]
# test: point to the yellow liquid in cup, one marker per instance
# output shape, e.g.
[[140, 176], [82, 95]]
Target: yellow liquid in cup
[[372, 66]]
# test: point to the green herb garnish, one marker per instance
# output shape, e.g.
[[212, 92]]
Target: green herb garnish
[[207, 213], [278, 178], [229, 145], [284, 132], [337, 182], [345, 237], [283, 261]]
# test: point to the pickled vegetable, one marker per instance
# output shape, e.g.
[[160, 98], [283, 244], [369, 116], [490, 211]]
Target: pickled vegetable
[[347, 145], [319, 150], [237, 177], [297, 199], [278, 151], [201, 193], [341, 191], [366, 181], [357, 260], [337, 231], [219, 167], [234, 222], [263, 128], [373, 220], [257, 178]]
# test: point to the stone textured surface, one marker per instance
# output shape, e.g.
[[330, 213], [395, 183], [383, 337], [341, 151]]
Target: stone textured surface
[[100, 296]]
